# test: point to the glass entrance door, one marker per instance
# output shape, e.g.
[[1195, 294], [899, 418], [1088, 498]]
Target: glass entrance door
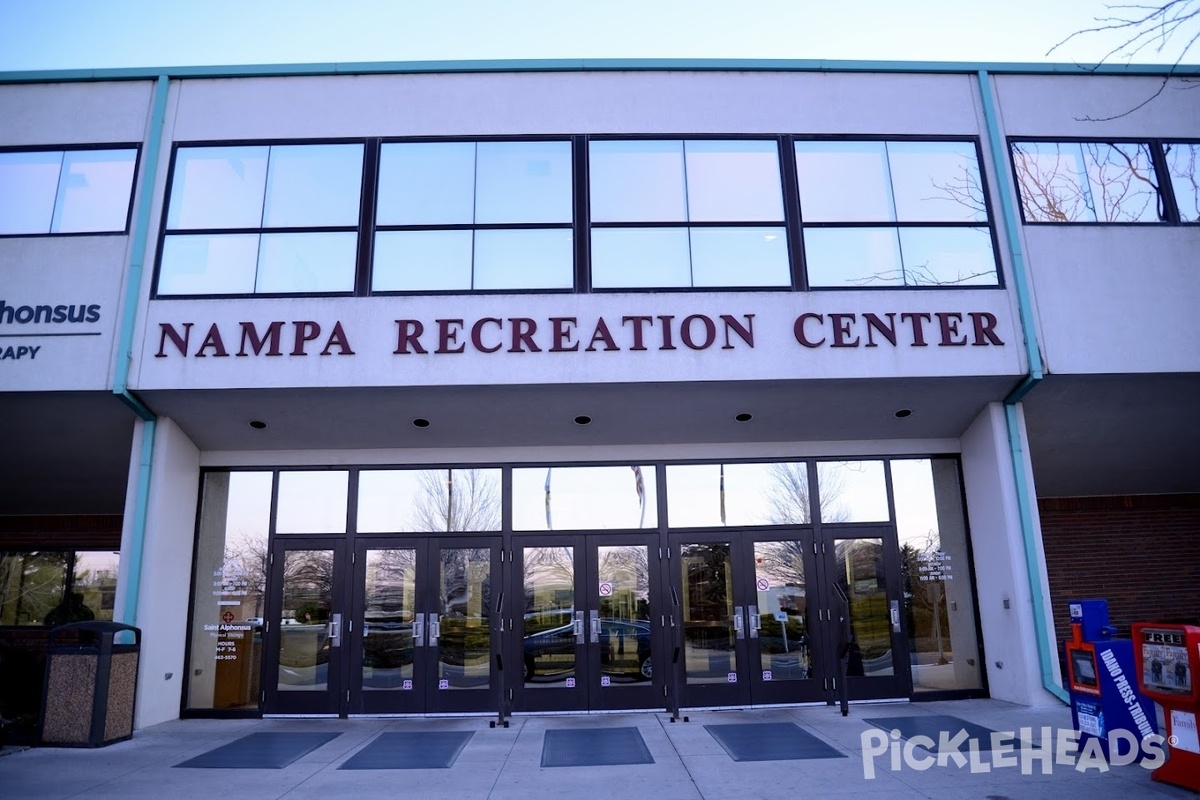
[[304, 630], [423, 633], [583, 628], [747, 618], [757, 616], [865, 566]]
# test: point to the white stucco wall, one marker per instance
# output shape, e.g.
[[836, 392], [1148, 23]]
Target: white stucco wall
[[1001, 575], [580, 102], [373, 333], [1109, 298], [166, 574]]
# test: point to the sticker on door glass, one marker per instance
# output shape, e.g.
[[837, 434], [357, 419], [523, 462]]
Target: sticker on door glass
[[605, 680], [763, 584], [731, 677], [766, 674], [605, 589], [406, 685], [570, 683], [443, 684]]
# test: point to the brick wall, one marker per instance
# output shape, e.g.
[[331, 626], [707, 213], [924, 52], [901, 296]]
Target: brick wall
[[1141, 553]]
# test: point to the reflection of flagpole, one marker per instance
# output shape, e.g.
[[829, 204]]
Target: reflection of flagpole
[[549, 525], [722, 493], [640, 486], [449, 500]]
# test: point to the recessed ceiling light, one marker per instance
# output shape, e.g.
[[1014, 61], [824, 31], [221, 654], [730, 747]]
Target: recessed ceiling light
[[257, 424], [583, 419], [904, 412], [744, 417], [420, 422]]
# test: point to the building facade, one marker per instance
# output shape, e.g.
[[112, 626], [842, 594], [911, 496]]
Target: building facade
[[571, 387]]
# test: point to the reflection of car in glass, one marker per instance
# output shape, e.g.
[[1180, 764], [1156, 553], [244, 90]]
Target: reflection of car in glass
[[629, 637]]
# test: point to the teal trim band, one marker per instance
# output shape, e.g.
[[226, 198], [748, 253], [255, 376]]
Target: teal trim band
[[137, 542], [1025, 505], [139, 236], [998, 150], [998, 156], [593, 65]]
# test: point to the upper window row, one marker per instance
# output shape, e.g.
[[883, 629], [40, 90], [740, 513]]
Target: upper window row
[[566, 214], [1107, 181], [66, 191]]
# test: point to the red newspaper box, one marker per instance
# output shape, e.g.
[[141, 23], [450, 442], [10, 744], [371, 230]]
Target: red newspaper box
[[1168, 660]]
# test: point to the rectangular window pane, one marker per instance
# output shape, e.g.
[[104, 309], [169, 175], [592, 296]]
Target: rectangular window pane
[[313, 185], [429, 261], [428, 500], [1052, 181], [702, 495], [939, 602], [838, 257], [307, 262], [844, 182], [948, 257], [426, 183], [1124, 187], [28, 185], [523, 182], [1182, 160], [640, 258], [740, 257], [218, 187], [637, 181], [95, 581], [208, 264], [230, 578], [852, 491], [524, 259], [94, 191], [733, 181], [31, 586], [936, 182], [584, 498], [312, 502]]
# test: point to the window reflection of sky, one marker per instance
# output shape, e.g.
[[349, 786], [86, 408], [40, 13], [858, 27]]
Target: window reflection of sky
[[601, 497]]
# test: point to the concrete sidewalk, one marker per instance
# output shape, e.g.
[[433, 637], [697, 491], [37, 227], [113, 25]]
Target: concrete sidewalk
[[505, 763]]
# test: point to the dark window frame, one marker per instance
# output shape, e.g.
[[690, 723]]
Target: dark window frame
[[136, 147], [1168, 209], [581, 224]]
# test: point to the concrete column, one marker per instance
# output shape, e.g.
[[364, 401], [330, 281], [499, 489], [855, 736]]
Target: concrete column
[[166, 573], [1006, 609]]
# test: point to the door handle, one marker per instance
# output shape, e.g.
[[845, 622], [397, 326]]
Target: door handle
[[435, 629], [595, 627], [752, 612], [418, 630], [739, 630], [895, 616], [578, 627], [334, 630]]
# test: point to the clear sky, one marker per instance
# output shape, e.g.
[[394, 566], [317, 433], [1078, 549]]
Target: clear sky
[[73, 34]]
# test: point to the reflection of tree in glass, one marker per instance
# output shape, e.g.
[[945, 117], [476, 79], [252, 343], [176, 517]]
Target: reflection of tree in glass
[[1088, 182], [457, 500], [549, 579], [786, 495], [924, 594], [1181, 158], [30, 585], [627, 567], [245, 564], [308, 585]]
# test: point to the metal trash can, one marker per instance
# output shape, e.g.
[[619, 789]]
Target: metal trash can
[[90, 685]]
